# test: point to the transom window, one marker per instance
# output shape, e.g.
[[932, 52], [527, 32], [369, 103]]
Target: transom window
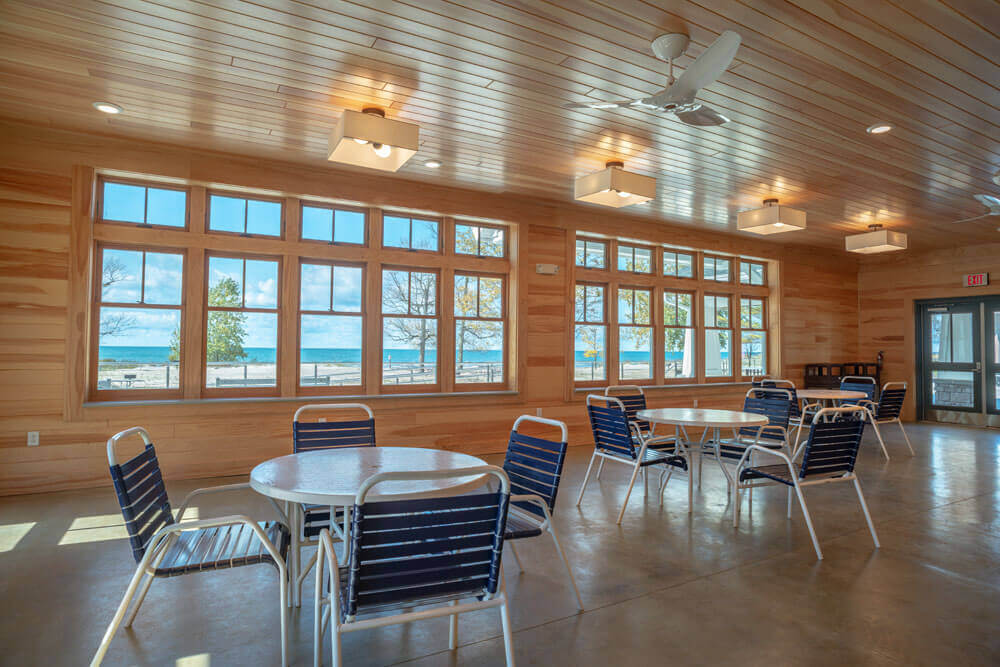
[[635, 259], [591, 254], [410, 233], [590, 333], [752, 273], [409, 327], [718, 336], [635, 334], [678, 344], [331, 324], [479, 240], [678, 264], [143, 204], [717, 269], [333, 225], [242, 215], [479, 329]]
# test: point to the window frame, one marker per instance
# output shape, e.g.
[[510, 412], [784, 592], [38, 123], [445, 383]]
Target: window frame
[[763, 271], [677, 253], [479, 241], [282, 218], [96, 302], [605, 323], [605, 245], [438, 316], [716, 259], [504, 323], [99, 205], [441, 248], [651, 292], [366, 232], [731, 328], [693, 294], [633, 247], [765, 329]]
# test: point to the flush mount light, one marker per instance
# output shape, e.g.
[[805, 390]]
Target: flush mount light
[[772, 219], [369, 139], [876, 240], [432, 164], [613, 186], [107, 107], [878, 128]]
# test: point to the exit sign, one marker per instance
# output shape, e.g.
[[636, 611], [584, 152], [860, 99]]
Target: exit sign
[[977, 279]]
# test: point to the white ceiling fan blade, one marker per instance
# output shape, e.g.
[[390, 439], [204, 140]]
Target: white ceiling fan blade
[[602, 105], [708, 67], [990, 202], [978, 217], [702, 116]]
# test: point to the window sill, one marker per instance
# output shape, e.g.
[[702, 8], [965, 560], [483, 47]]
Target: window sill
[[705, 385], [291, 399]]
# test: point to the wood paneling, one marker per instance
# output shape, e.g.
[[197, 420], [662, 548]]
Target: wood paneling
[[208, 438], [486, 81]]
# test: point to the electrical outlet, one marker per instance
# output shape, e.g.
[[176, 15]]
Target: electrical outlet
[[321, 420], [696, 402], [538, 412], [32, 438]]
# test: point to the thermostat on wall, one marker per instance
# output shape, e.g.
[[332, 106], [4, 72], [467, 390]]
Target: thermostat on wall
[[547, 269]]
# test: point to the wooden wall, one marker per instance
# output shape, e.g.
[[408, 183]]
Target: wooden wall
[[887, 288], [817, 306]]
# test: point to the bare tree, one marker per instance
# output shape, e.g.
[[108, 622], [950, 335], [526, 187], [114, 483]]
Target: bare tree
[[410, 293], [115, 323]]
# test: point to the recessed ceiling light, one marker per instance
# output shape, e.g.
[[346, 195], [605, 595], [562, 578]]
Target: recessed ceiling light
[[432, 164], [108, 107], [879, 128]]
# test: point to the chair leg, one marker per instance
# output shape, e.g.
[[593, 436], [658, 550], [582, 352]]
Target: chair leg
[[569, 570], [586, 478], [140, 596], [508, 639], [517, 559], [109, 634], [303, 571], [453, 629], [600, 468], [631, 483], [736, 504], [664, 480], [905, 437], [335, 653], [318, 611], [864, 508], [283, 606], [881, 442], [789, 511], [809, 523], [690, 485]]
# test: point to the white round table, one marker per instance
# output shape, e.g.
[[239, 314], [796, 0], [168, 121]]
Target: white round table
[[830, 394]]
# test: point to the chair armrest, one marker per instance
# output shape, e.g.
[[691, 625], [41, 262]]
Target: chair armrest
[[655, 440], [758, 448], [208, 489], [535, 500]]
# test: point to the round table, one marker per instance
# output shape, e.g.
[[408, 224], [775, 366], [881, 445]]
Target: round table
[[702, 418], [830, 394], [332, 477]]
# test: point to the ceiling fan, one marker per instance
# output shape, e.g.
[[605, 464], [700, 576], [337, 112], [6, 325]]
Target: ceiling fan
[[678, 97], [990, 202]]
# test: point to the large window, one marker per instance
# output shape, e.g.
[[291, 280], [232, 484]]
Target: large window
[[590, 333], [331, 324], [138, 319], [635, 334], [479, 329], [678, 335], [409, 327], [718, 336], [753, 337]]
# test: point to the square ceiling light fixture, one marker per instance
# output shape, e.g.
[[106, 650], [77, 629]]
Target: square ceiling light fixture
[[369, 139], [772, 219], [875, 241], [613, 186]]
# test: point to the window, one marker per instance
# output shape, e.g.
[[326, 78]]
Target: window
[[718, 337], [479, 329], [753, 337], [590, 345], [591, 254], [331, 325], [410, 233], [138, 319], [333, 225], [636, 260], [240, 215], [635, 334], [678, 264], [751, 273], [241, 336], [717, 269], [409, 327], [479, 240], [143, 204], [678, 335]]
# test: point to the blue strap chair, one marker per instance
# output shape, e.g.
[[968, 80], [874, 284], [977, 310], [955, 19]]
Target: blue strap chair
[[829, 455], [862, 383], [801, 414], [619, 440], [422, 558], [534, 466], [163, 547], [633, 400], [887, 411], [312, 430], [776, 405]]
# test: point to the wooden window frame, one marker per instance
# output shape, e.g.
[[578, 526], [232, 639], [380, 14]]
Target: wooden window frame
[[677, 253], [716, 259], [438, 317], [752, 262], [503, 319], [99, 208], [331, 390], [254, 391], [605, 322], [765, 329], [96, 303], [366, 232], [479, 241], [694, 335], [424, 218], [633, 247], [650, 325], [604, 244], [282, 222], [731, 328]]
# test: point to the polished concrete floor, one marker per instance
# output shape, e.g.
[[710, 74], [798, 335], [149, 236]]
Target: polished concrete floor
[[662, 588]]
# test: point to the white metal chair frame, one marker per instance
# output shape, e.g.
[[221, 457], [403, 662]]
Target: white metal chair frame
[[296, 511], [158, 545], [326, 611], [872, 408], [545, 525], [636, 464], [798, 484]]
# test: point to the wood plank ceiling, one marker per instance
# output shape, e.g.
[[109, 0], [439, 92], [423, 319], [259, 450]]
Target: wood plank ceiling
[[485, 81]]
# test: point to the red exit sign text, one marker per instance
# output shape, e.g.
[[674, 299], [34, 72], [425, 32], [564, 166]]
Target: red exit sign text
[[977, 279]]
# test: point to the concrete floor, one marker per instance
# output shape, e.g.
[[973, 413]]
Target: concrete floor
[[661, 588]]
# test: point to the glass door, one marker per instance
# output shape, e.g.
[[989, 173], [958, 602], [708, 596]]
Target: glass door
[[992, 310], [952, 361]]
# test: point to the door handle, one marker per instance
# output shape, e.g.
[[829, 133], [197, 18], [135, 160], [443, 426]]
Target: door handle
[[979, 367]]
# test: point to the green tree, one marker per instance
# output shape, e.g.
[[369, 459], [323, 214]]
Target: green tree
[[227, 330], [175, 345]]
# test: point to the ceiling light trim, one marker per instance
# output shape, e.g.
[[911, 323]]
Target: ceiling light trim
[[771, 219]]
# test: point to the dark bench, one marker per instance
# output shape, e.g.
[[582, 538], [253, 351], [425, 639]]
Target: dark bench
[[828, 376]]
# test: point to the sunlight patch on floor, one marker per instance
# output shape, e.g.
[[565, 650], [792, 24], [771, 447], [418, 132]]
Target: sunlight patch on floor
[[103, 527], [12, 533], [200, 660]]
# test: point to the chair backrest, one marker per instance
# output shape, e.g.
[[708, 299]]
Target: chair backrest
[[787, 385], [609, 423], [633, 399], [775, 404], [534, 465], [427, 548], [309, 435], [890, 401], [859, 383], [141, 492], [834, 438]]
